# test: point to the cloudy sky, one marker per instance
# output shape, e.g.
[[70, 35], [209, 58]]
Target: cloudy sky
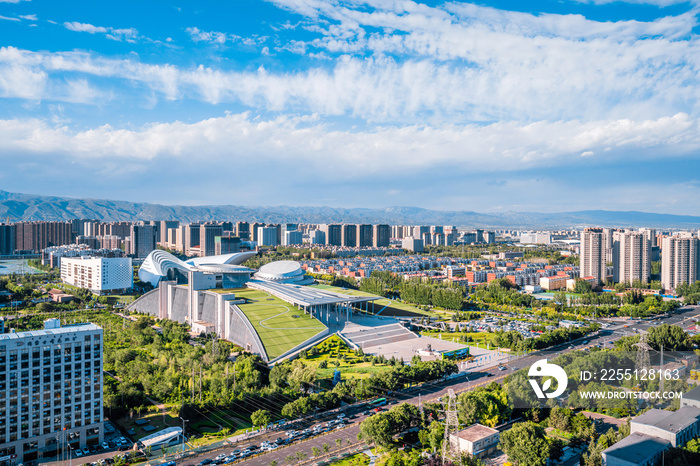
[[500, 105]]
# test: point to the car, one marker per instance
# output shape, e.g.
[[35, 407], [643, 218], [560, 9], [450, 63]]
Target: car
[[220, 457], [86, 451], [105, 445], [341, 416], [252, 447], [205, 461], [78, 453], [501, 368], [279, 440]]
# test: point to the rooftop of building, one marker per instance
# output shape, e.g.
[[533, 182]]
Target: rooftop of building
[[49, 332], [636, 448], [476, 432], [669, 421], [694, 394]]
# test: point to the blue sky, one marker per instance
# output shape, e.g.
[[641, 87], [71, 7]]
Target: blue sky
[[492, 106]]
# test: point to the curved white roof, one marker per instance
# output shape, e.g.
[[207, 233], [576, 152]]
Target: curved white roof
[[158, 263], [223, 268], [281, 271], [236, 258]]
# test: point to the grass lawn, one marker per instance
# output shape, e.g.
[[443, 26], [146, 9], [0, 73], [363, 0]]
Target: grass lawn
[[358, 459], [382, 305], [482, 338], [275, 323], [351, 366]]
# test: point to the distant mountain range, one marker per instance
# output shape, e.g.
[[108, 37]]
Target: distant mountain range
[[32, 207]]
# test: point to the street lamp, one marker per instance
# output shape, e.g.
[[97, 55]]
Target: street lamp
[[183, 434]]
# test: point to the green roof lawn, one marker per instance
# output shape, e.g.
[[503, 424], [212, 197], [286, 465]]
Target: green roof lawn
[[272, 319]]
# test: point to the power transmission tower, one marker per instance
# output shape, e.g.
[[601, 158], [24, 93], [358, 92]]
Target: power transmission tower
[[450, 444], [643, 362]]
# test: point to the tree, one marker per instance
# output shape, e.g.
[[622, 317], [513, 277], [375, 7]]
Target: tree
[[326, 447], [315, 451], [377, 429], [289, 459], [432, 436], [525, 444], [338, 442], [273, 463], [260, 418]]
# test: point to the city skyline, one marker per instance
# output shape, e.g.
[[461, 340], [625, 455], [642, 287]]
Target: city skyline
[[451, 106]]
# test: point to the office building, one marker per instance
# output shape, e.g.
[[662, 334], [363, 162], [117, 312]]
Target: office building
[[593, 254], [419, 231], [267, 236], [679, 261], [142, 240], [207, 233], [51, 391], [381, 235], [631, 257], [101, 275]]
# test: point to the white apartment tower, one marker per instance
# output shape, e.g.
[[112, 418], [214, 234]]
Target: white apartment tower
[[593, 254], [50, 391], [679, 261], [631, 257]]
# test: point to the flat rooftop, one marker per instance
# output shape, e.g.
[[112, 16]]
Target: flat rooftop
[[669, 421], [476, 432], [637, 448], [53, 331]]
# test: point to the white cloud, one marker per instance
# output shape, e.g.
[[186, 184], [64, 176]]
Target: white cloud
[[7, 18], [128, 35], [14, 1], [240, 139], [84, 27], [211, 36], [29, 17]]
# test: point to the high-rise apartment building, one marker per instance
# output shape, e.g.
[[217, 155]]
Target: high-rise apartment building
[[166, 225], [190, 238], [267, 236], [631, 257], [381, 236], [50, 391], [334, 234], [243, 230], [254, 230], [142, 240], [7, 239], [35, 236], [593, 254], [679, 261], [293, 237], [349, 235], [365, 235], [227, 244], [207, 234]]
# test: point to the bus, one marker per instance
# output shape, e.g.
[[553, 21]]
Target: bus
[[377, 402]]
